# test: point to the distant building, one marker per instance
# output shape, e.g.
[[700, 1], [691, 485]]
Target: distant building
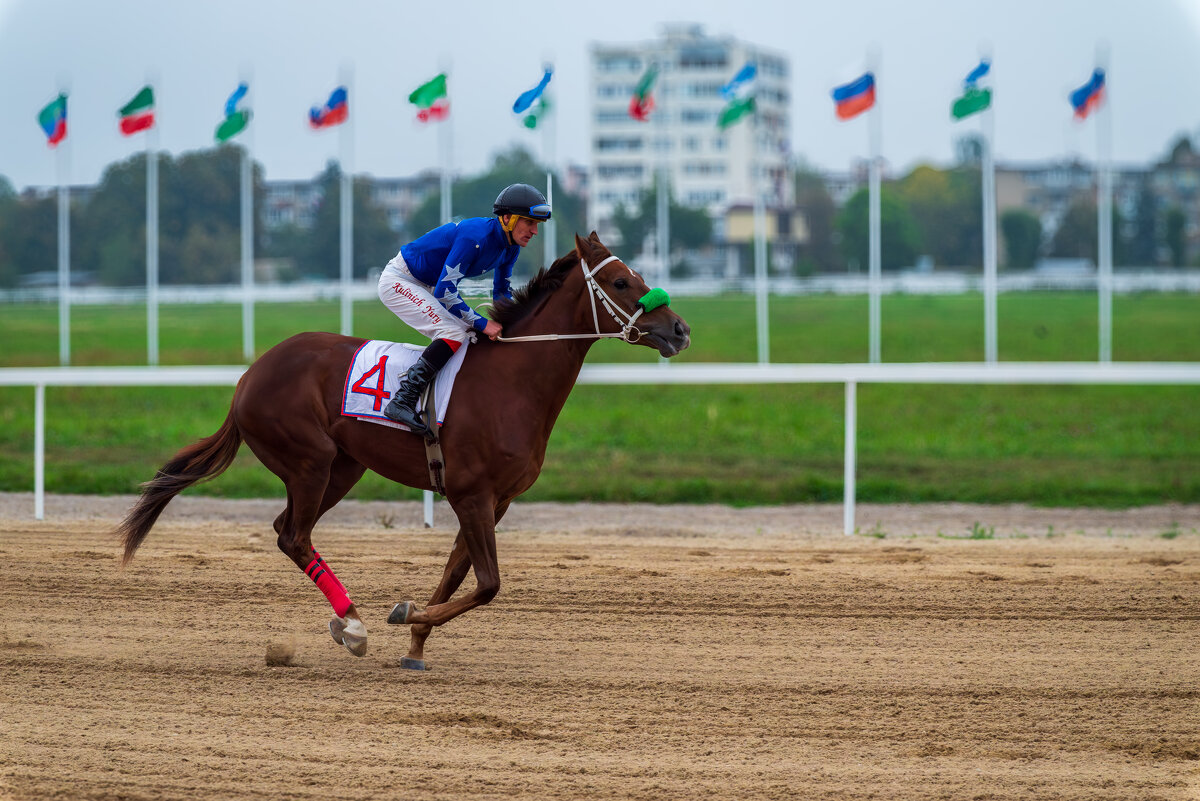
[[707, 167]]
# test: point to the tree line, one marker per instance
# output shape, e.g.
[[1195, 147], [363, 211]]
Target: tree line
[[928, 212]]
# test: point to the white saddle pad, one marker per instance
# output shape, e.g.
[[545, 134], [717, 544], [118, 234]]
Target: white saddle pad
[[375, 374]]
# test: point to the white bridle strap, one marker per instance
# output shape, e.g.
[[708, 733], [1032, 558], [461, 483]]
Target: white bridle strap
[[619, 315]]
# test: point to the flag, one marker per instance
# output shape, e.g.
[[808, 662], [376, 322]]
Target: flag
[[642, 102], [138, 114], [536, 114], [1088, 97], [739, 82], [431, 100], [739, 93], [974, 75], [974, 98], [527, 99], [335, 111], [855, 97], [735, 111], [972, 101], [236, 119], [53, 119]]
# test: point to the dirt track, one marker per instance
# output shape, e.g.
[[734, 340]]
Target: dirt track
[[657, 653]]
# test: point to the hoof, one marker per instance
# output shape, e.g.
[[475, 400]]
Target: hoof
[[412, 664], [350, 633], [400, 612]]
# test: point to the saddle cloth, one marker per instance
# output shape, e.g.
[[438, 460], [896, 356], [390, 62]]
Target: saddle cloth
[[375, 374]]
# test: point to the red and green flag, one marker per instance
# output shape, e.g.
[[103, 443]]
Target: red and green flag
[[53, 119], [431, 100], [642, 102], [138, 114]]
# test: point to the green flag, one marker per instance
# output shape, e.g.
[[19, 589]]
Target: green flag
[[735, 111], [429, 93], [232, 125], [535, 115], [972, 102]]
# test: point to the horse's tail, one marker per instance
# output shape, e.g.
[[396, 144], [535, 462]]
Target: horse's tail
[[201, 460]]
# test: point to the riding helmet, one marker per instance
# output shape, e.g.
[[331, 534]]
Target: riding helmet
[[522, 200]]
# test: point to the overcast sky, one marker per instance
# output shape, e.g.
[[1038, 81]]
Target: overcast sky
[[295, 51]]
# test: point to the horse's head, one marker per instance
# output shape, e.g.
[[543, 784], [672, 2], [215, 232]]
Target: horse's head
[[642, 313]]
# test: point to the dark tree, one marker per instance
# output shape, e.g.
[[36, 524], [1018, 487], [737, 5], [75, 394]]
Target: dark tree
[[900, 242], [1022, 232]]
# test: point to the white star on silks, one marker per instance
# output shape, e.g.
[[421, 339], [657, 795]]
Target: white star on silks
[[450, 298], [453, 274]]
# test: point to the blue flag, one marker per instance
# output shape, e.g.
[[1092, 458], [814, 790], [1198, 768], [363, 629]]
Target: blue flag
[[527, 99]]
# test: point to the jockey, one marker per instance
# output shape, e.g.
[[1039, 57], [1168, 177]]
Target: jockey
[[420, 285]]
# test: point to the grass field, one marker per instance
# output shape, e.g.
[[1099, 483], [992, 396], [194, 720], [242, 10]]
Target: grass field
[[1109, 446]]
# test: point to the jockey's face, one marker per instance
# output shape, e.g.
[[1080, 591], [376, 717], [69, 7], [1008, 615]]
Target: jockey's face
[[524, 230]]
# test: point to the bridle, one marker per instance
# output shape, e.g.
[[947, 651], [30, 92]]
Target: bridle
[[629, 332]]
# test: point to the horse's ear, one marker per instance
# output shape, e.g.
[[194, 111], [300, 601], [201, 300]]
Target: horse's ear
[[594, 237], [581, 245]]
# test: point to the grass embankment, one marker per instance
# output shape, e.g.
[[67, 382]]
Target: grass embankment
[[1111, 446]]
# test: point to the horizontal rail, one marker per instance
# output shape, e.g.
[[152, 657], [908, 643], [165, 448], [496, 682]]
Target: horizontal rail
[[851, 375], [1163, 373]]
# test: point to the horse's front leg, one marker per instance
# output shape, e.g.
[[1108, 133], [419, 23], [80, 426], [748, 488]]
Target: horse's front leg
[[477, 521], [452, 578]]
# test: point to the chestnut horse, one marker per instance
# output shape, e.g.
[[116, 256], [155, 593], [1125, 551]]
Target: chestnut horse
[[287, 408]]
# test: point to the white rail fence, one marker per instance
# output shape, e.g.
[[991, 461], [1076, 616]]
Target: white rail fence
[[850, 375]]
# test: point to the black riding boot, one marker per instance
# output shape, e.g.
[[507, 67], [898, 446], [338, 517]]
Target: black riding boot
[[403, 406]]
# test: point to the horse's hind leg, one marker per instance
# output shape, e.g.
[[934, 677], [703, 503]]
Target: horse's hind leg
[[311, 494]]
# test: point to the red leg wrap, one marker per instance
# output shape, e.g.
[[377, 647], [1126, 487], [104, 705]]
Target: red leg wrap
[[328, 583]]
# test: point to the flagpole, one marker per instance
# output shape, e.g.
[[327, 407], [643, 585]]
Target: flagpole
[[152, 245], [445, 142], [761, 295], [1104, 210], [62, 168], [663, 196], [346, 147], [247, 178], [550, 153], [874, 276], [989, 238]]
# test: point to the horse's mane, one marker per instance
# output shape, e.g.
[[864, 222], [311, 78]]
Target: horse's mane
[[530, 296]]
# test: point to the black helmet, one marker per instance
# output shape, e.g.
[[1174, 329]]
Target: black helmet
[[522, 200]]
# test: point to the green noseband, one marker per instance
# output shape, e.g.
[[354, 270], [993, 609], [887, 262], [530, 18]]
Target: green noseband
[[654, 298]]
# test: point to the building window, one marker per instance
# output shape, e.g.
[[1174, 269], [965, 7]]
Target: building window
[[619, 144], [621, 63], [620, 170]]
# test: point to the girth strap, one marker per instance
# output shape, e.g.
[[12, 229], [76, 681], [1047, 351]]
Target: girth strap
[[433, 442]]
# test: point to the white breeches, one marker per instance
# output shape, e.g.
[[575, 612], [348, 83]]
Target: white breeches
[[414, 303]]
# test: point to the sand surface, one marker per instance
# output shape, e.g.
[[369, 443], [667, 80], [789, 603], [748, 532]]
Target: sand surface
[[633, 652]]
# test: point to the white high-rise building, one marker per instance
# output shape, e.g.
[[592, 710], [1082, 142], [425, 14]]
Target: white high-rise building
[[707, 167]]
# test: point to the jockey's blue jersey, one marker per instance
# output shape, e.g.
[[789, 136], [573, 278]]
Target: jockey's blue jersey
[[449, 253]]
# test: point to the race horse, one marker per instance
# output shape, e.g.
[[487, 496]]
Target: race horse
[[508, 394]]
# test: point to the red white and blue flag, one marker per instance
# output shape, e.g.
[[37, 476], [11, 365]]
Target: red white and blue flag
[[1088, 97], [855, 97], [335, 111]]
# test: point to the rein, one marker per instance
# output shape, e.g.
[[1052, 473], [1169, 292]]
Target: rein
[[629, 332]]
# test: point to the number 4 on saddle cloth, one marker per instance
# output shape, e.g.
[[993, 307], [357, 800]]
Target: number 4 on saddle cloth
[[375, 374]]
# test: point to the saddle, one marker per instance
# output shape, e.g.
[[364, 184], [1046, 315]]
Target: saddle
[[372, 379]]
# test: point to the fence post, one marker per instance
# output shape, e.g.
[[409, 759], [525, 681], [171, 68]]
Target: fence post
[[428, 505], [851, 448], [39, 451]]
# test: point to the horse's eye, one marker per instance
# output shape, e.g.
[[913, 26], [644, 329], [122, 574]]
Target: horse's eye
[[620, 283]]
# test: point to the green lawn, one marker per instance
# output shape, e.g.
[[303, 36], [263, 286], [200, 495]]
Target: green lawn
[[1110, 446]]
